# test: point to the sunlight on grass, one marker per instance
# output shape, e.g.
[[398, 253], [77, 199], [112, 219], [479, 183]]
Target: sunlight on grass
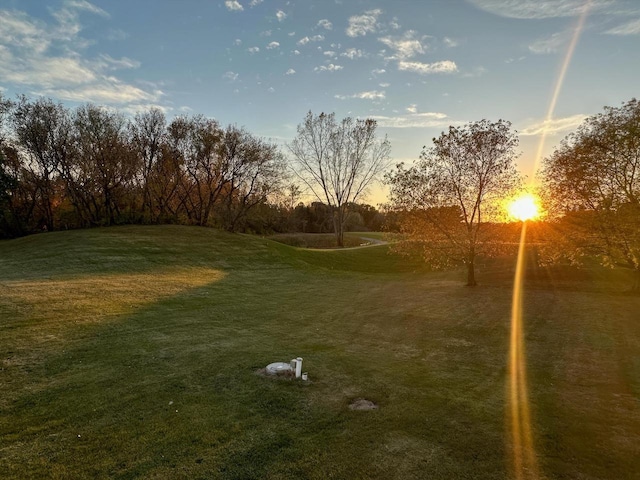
[[157, 379], [92, 298], [49, 315]]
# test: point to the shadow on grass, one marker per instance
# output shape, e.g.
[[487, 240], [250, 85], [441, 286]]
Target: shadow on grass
[[168, 389]]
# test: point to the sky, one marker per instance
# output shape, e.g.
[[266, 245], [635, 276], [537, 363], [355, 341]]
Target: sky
[[415, 66]]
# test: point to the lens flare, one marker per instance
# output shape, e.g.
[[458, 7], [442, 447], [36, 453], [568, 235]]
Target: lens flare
[[522, 452], [558, 86], [523, 457]]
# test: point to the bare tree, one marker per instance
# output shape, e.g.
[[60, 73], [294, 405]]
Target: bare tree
[[255, 171], [43, 134], [196, 141], [148, 132], [8, 178], [337, 161], [445, 201], [106, 165]]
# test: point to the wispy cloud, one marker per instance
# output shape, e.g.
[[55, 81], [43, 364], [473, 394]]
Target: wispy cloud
[[253, 50], [315, 38], [291, 71], [50, 59], [450, 42], [68, 17], [109, 63], [49, 72], [370, 95], [550, 44], [445, 66], [254, 3], [328, 68], [553, 126], [405, 46], [624, 12], [273, 45], [233, 6], [416, 120], [324, 23], [84, 5], [116, 35], [360, 25], [353, 53], [232, 76], [110, 92], [538, 9], [280, 15], [629, 28], [474, 72]]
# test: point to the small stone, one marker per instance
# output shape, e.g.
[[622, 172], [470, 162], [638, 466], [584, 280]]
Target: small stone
[[362, 404]]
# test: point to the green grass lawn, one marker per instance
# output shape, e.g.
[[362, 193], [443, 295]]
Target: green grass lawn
[[132, 352]]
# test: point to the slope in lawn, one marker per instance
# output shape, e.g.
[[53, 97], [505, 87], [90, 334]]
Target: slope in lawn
[[132, 351]]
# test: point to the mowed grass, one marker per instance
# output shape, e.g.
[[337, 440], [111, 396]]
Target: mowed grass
[[132, 352]]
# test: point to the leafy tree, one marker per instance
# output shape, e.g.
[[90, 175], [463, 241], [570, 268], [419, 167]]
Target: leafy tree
[[445, 201], [337, 161], [592, 182], [365, 217]]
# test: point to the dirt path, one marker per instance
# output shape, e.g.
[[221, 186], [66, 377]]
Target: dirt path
[[374, 243]]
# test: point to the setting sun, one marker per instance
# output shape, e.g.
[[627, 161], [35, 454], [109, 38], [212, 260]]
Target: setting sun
[[524, 208]]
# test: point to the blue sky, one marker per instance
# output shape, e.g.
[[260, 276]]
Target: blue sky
[[416, 66]]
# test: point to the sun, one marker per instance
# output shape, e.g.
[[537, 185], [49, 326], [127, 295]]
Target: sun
[[524, 207]]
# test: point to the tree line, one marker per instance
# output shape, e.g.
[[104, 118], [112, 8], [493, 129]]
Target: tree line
[[62, 168]]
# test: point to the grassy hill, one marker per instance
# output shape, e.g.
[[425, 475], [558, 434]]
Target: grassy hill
[[132, 352]]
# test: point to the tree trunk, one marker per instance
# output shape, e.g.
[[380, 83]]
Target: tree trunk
[[635, 286], [471, 273], [471, 267], [339, 236], [338, 228]]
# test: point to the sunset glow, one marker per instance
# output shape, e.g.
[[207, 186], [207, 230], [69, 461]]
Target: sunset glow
[[524, 208]]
